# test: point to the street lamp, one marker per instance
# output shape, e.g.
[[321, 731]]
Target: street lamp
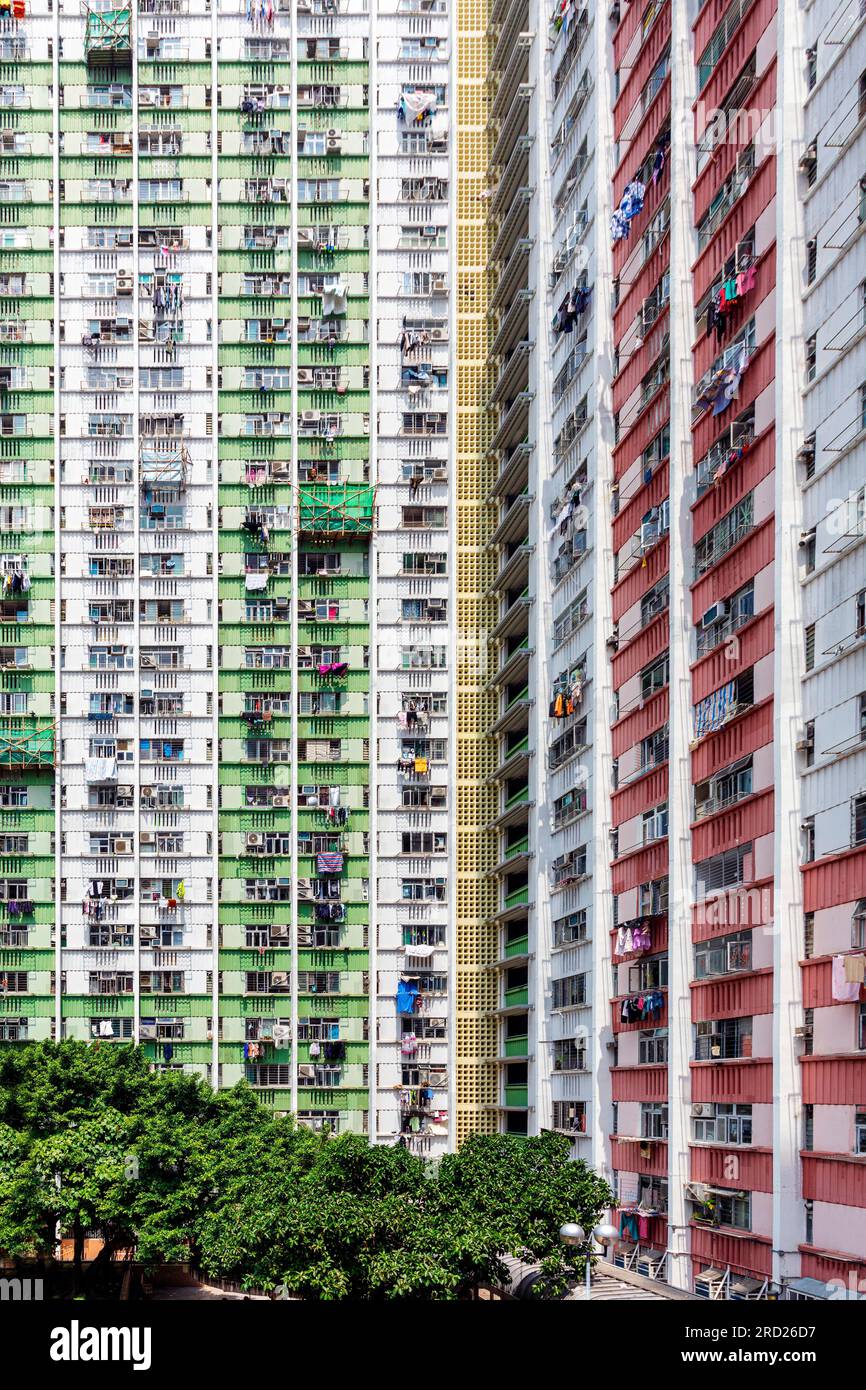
[[574, 1235]]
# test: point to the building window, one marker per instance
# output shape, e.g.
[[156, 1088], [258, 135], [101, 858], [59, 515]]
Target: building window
[[809, 640], [808, 1127], [653, 1120], [811, 357], [808, 829], [569, 1054], [716, 1040], [809, 741], [568, 806], [722, 1124], [570, 1116], [654, 824], [570, 929], [653, 1047], [809, 935], [724, 870], [858, 820], [652, 1194], [860, 1132], [648, 974], [723, 955], [858, 926], [570, 992], [735, 1211]]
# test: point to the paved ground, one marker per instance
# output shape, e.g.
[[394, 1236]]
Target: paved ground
[[180, 1293]]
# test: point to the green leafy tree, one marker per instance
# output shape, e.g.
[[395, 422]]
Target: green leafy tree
[[90, 1139]]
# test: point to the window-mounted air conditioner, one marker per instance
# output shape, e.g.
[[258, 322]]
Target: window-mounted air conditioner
[[715, 613]]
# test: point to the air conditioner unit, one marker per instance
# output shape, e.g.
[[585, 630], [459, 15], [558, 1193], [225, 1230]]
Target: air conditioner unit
[[439, 475], [120, 846], [310, 417], [280, 801], [701, 1110], [254, 841], [439, 285], [305, 376], [332, 145], [806, 743], [715, 613], [438, 335], [803, 1031]]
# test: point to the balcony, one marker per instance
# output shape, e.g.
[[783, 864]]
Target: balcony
[[728, 533], [513, 124], [515, 666], [513, 176], [514, 375], [516, 849], [514, 573], [511, 277], [513, 423], [514, 223], [513, 473], [517, 998], [514, 904], [514, 762], [517, 1096], [512, 74]]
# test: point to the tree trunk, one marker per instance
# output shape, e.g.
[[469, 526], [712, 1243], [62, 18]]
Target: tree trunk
[[110, 1245], [78, 1256]]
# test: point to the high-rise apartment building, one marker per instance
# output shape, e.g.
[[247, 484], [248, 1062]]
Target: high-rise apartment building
[[433, 492], [675, 202], [226, 653]]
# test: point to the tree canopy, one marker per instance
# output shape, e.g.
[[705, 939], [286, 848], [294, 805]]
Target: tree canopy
[[158, 1163]]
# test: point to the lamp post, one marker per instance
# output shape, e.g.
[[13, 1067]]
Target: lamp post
[[574, 1235]]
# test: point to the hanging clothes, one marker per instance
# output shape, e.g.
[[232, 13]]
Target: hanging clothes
[[845, 991]]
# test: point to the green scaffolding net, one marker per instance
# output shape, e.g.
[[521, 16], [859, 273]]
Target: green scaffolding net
[[345, 509], [26, 743], [107, 34]]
